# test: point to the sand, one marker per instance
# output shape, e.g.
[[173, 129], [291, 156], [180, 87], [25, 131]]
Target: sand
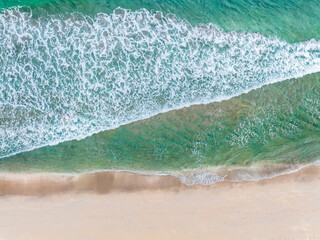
[[129, 206]]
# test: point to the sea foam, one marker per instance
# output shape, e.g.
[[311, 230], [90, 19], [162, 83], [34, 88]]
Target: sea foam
[[67, 76]]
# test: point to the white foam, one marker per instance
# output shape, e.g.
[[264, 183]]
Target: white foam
[[255, 172], [203, 178], [65, 77]]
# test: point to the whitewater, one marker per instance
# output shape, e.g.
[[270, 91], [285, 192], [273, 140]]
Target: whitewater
[[67, 76]]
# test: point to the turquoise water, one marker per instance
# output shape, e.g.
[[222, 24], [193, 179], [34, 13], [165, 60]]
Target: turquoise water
[[296, 20], [158, 85]]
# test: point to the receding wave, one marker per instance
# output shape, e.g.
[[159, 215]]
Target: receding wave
[[40, 184], [67, 76], [254, 172]]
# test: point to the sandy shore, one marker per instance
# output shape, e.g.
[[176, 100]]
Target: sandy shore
[[129, 206]]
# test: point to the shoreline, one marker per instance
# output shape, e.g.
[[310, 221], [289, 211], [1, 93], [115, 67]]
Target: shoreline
[[133, 206], [106, 181], [40, 184]]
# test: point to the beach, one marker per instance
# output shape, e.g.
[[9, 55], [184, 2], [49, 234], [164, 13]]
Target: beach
[[110, 205], [159, 119]]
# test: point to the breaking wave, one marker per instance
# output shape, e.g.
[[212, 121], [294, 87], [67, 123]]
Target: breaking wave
[[67, 76]]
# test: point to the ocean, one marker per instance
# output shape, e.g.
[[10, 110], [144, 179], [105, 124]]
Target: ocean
[[165, 87]]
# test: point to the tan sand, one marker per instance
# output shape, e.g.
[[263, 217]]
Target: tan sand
[[129, 206]]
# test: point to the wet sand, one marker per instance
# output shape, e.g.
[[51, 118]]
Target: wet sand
[[113, 205]]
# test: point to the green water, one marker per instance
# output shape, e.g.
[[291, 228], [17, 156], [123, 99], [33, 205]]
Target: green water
[[276, 123], [296, 20]]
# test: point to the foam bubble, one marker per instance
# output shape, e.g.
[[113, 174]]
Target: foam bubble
[[203, 178], [254, 172], [65, 77]]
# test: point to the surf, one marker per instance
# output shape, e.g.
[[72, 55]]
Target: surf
[[67, 76]]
